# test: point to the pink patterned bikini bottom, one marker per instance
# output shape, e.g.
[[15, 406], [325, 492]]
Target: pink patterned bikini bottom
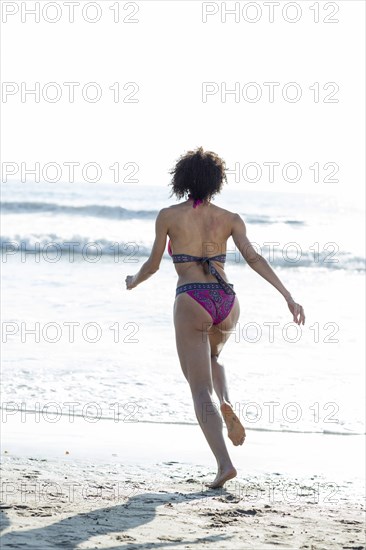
[[211, 296]]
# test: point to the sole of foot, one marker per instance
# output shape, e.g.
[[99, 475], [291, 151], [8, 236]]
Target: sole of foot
[[235, 429]]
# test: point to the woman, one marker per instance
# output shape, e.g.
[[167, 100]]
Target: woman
[[206, 308]]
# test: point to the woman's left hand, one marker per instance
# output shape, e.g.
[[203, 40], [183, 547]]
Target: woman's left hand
[[297, 312], [130, 282]]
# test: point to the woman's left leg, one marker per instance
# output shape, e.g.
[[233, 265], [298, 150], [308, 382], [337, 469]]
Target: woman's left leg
[[193, 346]]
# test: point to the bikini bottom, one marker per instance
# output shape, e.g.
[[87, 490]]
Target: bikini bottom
[[211, 297]]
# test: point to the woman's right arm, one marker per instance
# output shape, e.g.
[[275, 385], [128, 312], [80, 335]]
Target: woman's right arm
[[262, 267]]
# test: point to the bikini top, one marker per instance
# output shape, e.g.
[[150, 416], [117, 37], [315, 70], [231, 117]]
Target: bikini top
[[205, 261]]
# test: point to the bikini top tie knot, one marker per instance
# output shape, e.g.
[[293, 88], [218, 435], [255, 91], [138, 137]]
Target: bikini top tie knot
[[207, 265]]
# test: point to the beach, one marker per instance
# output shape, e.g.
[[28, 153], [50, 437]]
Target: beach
[[100, 444], [136, 485]]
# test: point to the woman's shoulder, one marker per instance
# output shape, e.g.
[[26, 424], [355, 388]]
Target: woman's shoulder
[[225, 212], [168, 211]]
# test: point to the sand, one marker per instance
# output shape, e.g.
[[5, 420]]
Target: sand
[[142, 486]]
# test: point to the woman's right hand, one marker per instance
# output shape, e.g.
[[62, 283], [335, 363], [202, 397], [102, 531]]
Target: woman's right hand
[[130, 282], [297, 311]]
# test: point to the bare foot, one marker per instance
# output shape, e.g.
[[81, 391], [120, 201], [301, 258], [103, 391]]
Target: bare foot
[[223, 475], [235, 428]]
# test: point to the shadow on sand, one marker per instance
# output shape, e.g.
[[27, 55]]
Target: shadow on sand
[[138, 510]]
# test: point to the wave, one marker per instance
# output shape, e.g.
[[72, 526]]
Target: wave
[[114, 212], [94, 210], [52, 247]]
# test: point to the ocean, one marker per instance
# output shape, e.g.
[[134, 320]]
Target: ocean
[[76, 342]]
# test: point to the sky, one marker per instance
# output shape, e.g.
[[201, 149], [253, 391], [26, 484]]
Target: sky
[[170, 64]]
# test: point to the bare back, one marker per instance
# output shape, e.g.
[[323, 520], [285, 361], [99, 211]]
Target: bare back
[[200, 231]]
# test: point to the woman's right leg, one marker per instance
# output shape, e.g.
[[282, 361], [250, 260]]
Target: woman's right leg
[[219, 335]]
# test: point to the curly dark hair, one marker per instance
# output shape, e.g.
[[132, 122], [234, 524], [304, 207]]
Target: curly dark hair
[[198, 173]]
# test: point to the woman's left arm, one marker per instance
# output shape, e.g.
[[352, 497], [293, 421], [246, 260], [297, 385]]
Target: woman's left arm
[[152, 264]]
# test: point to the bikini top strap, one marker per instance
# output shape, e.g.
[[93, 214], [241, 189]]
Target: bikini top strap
[[212, 269], [181, 258]]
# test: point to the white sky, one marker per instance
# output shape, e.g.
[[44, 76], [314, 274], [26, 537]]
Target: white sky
[[169, 52]]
